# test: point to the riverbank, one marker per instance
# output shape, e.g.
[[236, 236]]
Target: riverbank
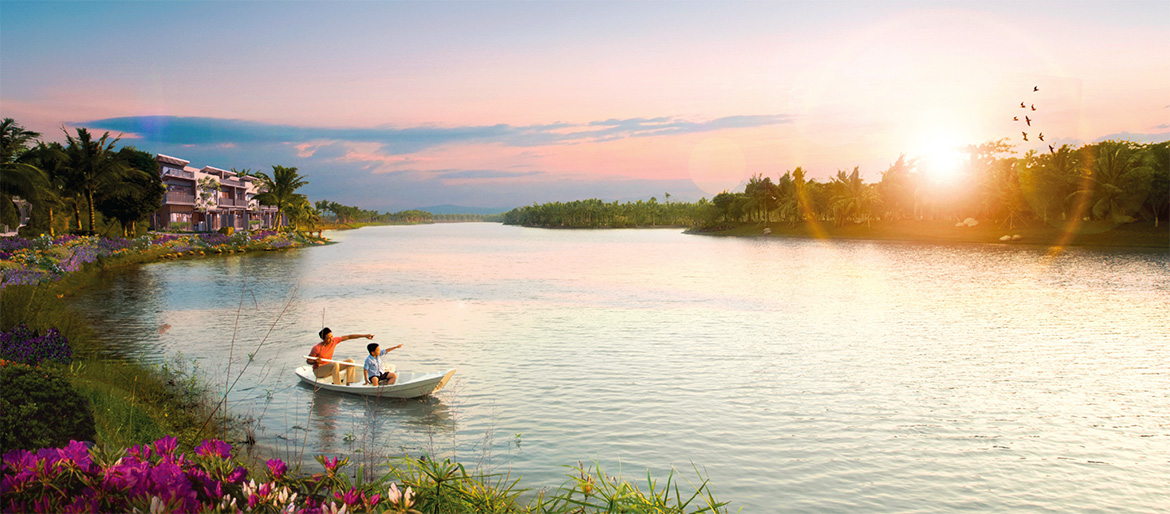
[[132, 403], [1087, 234]]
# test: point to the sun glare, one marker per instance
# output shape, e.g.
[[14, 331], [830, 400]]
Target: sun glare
[[941, 161]]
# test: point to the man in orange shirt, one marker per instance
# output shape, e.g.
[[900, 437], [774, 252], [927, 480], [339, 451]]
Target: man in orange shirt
[[324, 350]]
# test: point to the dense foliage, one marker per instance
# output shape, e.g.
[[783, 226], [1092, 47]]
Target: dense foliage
[[595, 213], [86, 174], [39, 409], [159, 478], [350, 214], [1111, 181]]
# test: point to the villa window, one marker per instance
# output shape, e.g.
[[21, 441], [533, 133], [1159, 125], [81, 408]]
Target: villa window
[[180, 217]]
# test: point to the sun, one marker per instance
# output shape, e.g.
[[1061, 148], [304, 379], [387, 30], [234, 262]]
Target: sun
[[941, 160]]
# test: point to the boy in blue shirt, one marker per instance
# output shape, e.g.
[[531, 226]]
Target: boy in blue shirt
[[373, 366]]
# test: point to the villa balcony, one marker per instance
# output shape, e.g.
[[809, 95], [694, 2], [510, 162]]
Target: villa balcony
[[171, 172], [175, 198], [231, 202]]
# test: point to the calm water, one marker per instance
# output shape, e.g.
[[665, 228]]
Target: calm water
[[800, 375]]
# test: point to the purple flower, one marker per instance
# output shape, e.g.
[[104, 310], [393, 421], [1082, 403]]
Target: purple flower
[[140, 452], [237, 475], [214, 447], [330, 464], [166, 446], [349, 498], [277, 468]]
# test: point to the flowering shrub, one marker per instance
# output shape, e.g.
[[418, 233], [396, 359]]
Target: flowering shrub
[[158, 478], [45, 259], [28, 347]]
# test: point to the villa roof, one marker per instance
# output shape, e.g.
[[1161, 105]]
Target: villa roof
[[190, 168], [174, 161], [215, 171]]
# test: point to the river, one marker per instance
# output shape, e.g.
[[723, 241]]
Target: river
[[798, 375]]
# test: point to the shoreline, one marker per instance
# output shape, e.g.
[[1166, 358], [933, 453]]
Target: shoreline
[[1089, 235], [131, 401]]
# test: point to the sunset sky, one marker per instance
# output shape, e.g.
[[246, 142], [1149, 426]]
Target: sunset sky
[[396, 105]]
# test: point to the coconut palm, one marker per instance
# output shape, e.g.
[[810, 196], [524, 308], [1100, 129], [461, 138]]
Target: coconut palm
[[96, 168], [1115, 182], [1048, 179], [301, 214], [853, 198], [1158, 159], [18, 176], [280, 189]]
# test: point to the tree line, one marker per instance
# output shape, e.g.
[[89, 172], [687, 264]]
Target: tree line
[[1112, 181]]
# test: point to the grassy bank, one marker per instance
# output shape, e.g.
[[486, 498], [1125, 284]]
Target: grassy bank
[[1087, 234], [132, 403]]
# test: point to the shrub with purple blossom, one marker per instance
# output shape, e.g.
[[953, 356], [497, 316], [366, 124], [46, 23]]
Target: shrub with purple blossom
[[21, 277], [159, 478], [28, 347]]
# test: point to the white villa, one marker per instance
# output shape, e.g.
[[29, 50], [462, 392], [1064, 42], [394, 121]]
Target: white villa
[[208, 199]]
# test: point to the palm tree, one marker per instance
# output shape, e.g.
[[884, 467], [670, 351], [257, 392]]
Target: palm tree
[[853, 198], [18, 177], [1047, 179], [1158, 159], [96, 167], [1114, 183], [301, 213], [280, 189], [51, 159]]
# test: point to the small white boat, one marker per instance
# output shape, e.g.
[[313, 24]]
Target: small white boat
[[409, 384]]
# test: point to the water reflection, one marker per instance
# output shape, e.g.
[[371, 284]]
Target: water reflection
[[813, 375]]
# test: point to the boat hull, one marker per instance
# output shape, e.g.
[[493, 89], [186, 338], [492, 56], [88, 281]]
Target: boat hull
[[409, 384]]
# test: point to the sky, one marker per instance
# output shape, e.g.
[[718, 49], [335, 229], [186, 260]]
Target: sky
[[398, 105]]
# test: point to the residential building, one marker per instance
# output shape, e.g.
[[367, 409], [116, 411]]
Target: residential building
[[208, 198]]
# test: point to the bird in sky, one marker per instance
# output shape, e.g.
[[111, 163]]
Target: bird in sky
[[1041, 136], [1029, 120], [1035, 88], [1052, 149], [1022, 105], [1025, 135], [1033, 107], [1015, 118]]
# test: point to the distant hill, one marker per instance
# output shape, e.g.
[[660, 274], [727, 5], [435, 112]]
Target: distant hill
[[458, 209]]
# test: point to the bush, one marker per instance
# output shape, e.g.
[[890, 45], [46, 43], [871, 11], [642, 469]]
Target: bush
[[39, 409], [227, 231]]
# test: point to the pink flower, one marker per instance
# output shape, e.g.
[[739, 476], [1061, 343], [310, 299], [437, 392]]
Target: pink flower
[[400, 498], [331, 464], [351, 496], [214, 447], [237, 475], [277, 468], [166, 445]]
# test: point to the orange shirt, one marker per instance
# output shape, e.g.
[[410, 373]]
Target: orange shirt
[[323, 350]]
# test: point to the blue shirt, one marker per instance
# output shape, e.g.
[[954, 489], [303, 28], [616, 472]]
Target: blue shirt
[[373, 364]]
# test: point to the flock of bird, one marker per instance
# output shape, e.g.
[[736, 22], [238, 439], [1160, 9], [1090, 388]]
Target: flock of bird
[[1028, 120]]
